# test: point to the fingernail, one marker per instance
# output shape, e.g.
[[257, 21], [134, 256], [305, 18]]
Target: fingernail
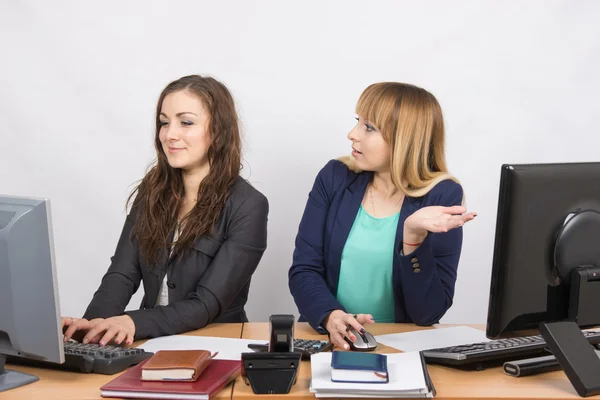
[[65, 339], [85, 340], [362, 330], [101, 343], [129, 342], [117, 342], [346, 346]]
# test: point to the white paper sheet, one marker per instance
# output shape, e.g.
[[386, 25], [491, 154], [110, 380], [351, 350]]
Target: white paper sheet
[[229, 349], [433, 338]]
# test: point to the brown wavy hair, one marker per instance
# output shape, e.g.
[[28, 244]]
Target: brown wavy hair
[[160, 195]]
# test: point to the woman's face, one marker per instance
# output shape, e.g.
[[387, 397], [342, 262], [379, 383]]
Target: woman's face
[[369, 149], [184, 131]]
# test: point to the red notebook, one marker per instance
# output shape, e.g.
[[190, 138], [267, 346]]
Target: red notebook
[[214, 378]]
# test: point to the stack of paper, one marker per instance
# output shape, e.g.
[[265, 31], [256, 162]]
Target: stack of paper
[[229, 349], [408, 378], [433, 338]]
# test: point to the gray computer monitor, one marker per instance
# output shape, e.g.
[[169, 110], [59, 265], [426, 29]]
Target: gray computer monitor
[[29, 306]]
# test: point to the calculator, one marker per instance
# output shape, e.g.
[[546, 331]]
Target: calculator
[[305, 347]]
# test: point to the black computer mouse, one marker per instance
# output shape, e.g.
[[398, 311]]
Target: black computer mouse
[[364, 341]]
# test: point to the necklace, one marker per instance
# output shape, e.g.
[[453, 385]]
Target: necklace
[[373, 203]]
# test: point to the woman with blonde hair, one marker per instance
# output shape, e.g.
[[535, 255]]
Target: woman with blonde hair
[[381, 234]]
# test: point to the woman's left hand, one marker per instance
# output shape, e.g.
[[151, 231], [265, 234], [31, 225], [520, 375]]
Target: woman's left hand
[[437, 219], [121, 328], [434, 219]]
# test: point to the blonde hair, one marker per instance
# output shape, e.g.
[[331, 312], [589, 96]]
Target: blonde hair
[[411, 122]]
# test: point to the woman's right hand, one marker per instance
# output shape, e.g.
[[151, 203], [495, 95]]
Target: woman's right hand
[[338, 323], [76, 328]]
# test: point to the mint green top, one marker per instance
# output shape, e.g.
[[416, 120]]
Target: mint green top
[[365, 284]]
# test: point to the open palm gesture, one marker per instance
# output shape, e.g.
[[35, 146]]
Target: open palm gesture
[[437, 219]]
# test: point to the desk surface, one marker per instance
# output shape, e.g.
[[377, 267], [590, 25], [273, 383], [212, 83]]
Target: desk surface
[[55, 384], [449, 383], [490, 384]]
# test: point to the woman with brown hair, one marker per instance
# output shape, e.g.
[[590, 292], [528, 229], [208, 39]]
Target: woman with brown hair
[[381, 236], [196, 230]]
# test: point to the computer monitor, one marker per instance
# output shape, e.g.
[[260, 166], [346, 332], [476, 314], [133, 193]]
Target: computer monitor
[[30, 324], [547, 226]]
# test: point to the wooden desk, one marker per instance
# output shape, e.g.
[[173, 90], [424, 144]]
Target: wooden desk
[[55, 384], [490, 384]]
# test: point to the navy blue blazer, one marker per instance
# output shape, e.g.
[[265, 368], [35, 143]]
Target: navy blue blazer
[[421, 297]]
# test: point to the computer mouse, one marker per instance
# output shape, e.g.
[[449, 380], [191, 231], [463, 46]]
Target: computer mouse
[[364, 341]]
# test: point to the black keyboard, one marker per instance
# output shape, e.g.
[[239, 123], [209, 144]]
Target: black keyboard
[[305, 347], [495, 352], [88, 358]]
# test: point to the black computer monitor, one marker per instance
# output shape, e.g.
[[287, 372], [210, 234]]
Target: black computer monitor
[[547, 226], [29, 306]]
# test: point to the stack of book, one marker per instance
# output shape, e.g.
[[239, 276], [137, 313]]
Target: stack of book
[[181, 374]]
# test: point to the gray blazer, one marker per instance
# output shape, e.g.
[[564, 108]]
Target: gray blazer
[[209, 284]]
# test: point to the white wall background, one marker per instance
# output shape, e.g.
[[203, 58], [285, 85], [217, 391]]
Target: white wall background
[[518, 82]]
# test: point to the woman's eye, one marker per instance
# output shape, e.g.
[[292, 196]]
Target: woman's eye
[[187, 123], [369, 128], [163, 123]]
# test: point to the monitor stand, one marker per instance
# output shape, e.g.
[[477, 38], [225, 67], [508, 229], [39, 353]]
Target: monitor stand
[[13, 379], [577, 358], [577, 264]]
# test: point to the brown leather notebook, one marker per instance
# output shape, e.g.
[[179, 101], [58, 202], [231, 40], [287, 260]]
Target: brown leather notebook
[[176, 365]]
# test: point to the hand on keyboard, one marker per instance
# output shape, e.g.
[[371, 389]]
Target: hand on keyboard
[[121, 329], [76, 328]]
